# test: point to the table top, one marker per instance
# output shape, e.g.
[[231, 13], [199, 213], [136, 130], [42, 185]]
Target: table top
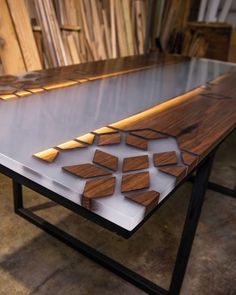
[[124, 133]]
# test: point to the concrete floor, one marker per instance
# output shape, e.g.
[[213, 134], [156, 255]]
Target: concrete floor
[[31, 262]]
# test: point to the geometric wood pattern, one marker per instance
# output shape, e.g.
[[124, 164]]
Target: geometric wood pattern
[[135, 163], [107, 160], [134, 181], [148, 199], [178, 171], [48, 155], [148, 134], [166, 158], [86, 170], [189, 160], [87, 138], [136, 142], [106, 139], [97, 188], [71, 144]]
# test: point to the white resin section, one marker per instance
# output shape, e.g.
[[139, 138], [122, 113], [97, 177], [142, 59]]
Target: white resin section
[[37, 122]]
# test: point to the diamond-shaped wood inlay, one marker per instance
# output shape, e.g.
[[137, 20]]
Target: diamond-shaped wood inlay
[[148, 134], [48, 155], [136, 142], [177, 171], [107, 160], [189, 159], [70, 145], [106, 139], [97, 188], [134, 181], [135, 163], [86, 170], [87, 138], [166, 158], [148, 199]]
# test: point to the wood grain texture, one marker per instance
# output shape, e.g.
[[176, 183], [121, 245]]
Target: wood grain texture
[[25, 35], [97, 188], [166, 158], [148, 134], [147, 199], [70, 145], [205, 122], [86, 170], [190, 160], [134, 181], [108, 139], [107, 160], [48, 155], [11, 47], [178, 172], [136, 142], [135, 163]]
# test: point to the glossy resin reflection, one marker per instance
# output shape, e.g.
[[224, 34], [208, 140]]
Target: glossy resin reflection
[[57, 120]]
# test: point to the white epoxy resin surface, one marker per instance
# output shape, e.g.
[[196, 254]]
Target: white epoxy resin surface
[[34, 123]]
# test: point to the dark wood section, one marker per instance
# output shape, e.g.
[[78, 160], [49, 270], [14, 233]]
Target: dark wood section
[[99, 187], [70, 145], [107, 160], [86, 170], [86, 138], [107, 139], [136, 142], [148, 134], [189, 159], [134, 181], [166, 158], [48, 155], [135, 163], [178, 172], [198, 122], [148, 199]]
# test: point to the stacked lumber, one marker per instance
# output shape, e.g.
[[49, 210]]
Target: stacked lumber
[[51, 33]]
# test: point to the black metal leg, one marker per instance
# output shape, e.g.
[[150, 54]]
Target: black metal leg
[[190, 226], [218, 188], [192, 217], [17, 195]]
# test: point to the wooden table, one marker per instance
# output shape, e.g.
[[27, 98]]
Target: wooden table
[[112, 141]]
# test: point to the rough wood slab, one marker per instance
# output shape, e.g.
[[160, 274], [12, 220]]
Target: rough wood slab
[[87, 138], [189, 159], [107, 160], [48, 155], [166, 158], [134, 181], [135, 163], [148, 134], [87, 170], [178, 172], [148, 199], [136, 142], [70, 145], [107, 139]]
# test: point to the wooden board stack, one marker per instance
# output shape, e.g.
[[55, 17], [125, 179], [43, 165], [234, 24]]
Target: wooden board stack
[[47, 33]]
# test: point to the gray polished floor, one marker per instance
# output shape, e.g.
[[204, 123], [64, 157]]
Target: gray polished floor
[[31, 262]]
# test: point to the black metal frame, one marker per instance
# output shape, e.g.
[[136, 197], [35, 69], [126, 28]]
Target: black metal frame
[[191, 222]]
